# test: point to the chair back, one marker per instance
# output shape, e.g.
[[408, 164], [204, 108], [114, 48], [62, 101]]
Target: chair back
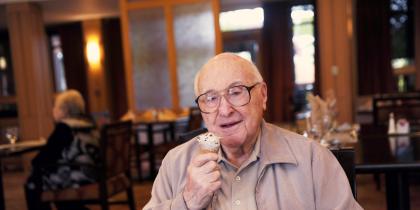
[[345, 157], [403, 105], [195, 120], [115, 148], [191, 134]]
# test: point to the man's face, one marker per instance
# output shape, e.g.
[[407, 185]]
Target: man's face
[[236, 125]]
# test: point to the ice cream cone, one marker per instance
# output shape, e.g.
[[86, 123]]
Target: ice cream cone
[[209, 142]]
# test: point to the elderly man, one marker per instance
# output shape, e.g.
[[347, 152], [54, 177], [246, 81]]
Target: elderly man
[[259, 166]]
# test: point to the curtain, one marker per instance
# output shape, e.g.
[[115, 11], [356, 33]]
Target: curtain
[[114, 65], [374, 48], [277, 57], [71, 36]]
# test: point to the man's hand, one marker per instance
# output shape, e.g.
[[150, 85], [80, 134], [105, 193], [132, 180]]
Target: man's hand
[[203, 179]]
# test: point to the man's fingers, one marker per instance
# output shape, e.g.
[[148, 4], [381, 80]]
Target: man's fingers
[[214, 176], [201, 159], [204, 178], [215, 186], [209, 167]]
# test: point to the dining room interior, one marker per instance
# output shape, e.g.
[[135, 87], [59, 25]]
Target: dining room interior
[[345, 73]]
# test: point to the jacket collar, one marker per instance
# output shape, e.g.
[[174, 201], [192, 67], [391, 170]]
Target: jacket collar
[[274, 145]]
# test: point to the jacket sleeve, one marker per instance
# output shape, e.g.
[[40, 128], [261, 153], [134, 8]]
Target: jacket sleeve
[[332, 188], [163, 197], [59, 139]]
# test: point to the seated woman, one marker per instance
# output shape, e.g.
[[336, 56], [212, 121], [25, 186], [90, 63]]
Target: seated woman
[[74, 140]]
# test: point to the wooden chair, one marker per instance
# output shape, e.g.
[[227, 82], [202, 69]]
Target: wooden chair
[[114, 176], [403, 105], [191, 134], [151, 151], [160, 149], [195, 119]]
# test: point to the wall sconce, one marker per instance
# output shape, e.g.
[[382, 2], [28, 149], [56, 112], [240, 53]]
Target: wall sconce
[[3, 63], [93, 52]]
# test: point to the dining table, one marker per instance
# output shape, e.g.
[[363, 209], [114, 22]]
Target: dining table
[[396, 155], [13, 150]]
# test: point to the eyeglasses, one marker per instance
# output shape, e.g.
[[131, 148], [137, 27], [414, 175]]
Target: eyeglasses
[[238, 95]]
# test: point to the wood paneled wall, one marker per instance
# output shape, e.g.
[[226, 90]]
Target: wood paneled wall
[[114, 65], [336, 53], [277, 60], [417, 42], [96, 76], [32, 72]]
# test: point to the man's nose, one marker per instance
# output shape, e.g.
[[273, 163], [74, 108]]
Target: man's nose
[[225, 108]]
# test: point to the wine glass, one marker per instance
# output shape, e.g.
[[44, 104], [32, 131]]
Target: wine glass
[[316, 132], [12, 135]]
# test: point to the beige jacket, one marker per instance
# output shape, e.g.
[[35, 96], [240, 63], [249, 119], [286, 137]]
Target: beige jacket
[[295, 174]]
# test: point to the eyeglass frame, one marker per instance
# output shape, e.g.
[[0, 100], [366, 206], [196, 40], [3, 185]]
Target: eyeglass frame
[[248, 88]]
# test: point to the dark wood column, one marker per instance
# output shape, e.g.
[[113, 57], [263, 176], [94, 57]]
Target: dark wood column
[[31, 68]]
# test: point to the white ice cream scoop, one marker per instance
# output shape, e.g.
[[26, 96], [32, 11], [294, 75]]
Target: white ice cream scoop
[[209, 142]]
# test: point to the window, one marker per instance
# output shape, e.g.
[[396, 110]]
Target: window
[[8, 107], [7, 86], [241, 32], [303, 44], [304, 53], [245, 54], [402, 43], [242, 19], [58, 66]]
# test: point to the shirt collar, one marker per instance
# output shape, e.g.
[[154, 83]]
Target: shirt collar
[[271, 147], [256, 151], [274, 146]]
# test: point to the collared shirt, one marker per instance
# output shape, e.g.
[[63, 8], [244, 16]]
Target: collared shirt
[[294, 173], [238, 184]]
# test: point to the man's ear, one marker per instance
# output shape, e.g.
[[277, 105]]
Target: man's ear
[[264, 95]]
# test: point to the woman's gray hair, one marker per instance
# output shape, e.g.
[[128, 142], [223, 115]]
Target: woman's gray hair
[[71, 102]]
